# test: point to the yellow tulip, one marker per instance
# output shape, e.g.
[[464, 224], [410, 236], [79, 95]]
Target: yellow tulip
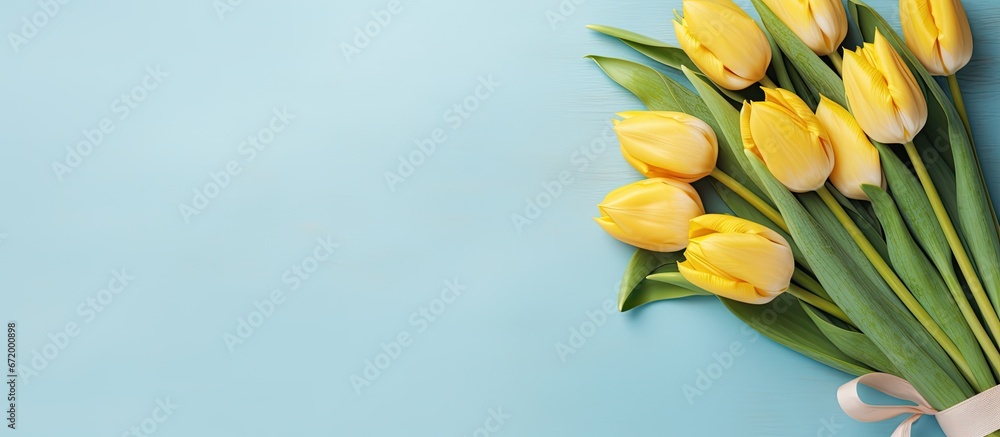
[[724, 42], [652, 214], [667, 144], [737, 259], [821, 24], [856, 160], [784, 133], [938, 33], [882, 92]]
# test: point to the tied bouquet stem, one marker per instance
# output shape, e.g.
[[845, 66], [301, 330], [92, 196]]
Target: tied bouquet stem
[[900, 289], [852, 244], [964, 263]]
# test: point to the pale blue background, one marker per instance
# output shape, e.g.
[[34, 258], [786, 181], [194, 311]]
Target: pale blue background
[[494, 347]]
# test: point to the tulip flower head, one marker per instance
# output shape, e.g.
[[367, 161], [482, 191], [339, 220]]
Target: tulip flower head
[[883, 94], [821, 24], [856, 160], [938, 33], [784, 133], [652, 214], [724, 42], [737, 259], [667, 144]]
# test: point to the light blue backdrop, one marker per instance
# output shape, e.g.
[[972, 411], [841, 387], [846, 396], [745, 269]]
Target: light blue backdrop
[[169, 273]]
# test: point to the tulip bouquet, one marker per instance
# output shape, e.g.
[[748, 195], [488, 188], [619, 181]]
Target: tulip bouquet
[[857, 228]]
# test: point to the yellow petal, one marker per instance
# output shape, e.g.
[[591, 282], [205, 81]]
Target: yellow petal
[[749, 258], [883, 94], [903, 89], [652, 214], [724, 42], [955, 41], [821, 24], [856, 160], [668, 144], [745, 113], [722, 286], [831, 18], [727, 224], [938, 33], [869, 98], [644, 168], [737, 259], [797, 157]]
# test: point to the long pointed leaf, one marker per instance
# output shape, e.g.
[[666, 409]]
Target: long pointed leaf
[[927, 285], [914, 206], [909, 347], [666, 54], [784, 321], [855, 344], [636, 290]]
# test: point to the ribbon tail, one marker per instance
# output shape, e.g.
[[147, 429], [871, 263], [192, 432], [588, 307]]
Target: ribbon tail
[[904, 429]]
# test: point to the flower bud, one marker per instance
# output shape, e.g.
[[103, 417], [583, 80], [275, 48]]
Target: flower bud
[[856, 160], [667, 144], [737, 259], [821, 24], [938, 33], [784, 133], [882, 92], [652, 214], [724, 42]]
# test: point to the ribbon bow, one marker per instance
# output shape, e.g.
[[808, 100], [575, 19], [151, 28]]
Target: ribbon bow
[[976, 417]]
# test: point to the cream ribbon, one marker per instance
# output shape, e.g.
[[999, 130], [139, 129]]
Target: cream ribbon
[[976, 417]]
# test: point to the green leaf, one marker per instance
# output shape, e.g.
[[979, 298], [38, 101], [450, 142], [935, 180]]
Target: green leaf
[[657, 92], [666, 54], [784, 321], [812, 68], [778, 63], [660, 93], [636, 290], [942, 174], [855, 344], [976, 214], [659, 51], [671, 275], [927, 286], [914, 206], [800, 87], [835, 231], [909, 347]]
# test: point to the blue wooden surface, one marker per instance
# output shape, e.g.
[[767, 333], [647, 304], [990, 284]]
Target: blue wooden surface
[[506, 346]]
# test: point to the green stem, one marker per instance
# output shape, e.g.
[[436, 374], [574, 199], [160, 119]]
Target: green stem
[[956, 96], [989, 349], [751, 198], [964, 263], [820, 303], [838, 61], [897, 286], [766, 81]]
